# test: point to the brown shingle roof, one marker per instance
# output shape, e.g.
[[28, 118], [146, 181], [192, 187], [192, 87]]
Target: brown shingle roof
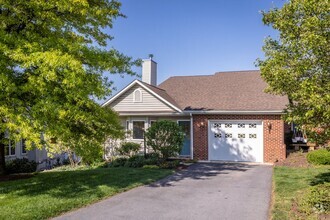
[[162, 93], [227, 91]]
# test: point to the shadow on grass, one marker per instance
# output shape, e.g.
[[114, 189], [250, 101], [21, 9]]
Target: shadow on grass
[[82, 183], [203, 171], [320, 179]]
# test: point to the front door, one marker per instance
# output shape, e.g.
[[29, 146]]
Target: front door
[[185, 125]]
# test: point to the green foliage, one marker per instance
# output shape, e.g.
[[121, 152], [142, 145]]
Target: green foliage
[[150, 167], [129, 148], [297, 63], [21, 166], [165, 137], [118, 162], [317, 199], [49, 194], [151, 160], [292, 186], [319, 157], [135, 161], [169, 164], [53, 57]]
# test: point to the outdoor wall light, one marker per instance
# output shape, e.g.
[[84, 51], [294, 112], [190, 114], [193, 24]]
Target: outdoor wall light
[[269, 126], [201, 125]]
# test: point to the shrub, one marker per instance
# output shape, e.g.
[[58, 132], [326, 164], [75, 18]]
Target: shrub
[[129, 148], [135, 161], [317, 199], [118, 162], [153, 159], [170, 164], [319, 157], [165, 137], [21, 166]]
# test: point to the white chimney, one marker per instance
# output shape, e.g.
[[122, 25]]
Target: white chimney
[[149, 71]]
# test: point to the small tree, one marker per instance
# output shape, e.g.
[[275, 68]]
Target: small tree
[[165, 137], [297, 63]]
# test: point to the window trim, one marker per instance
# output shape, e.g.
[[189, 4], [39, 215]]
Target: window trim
[[144, 127], [134, 95], [150, 121], [127, 125], [9, 146], [22, 141]]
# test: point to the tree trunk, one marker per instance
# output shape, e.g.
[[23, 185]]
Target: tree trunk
[[2, 155]]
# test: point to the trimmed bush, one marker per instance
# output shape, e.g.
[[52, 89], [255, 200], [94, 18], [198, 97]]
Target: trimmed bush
[[22, 165], [129, 148], [153, 159], [118, 162], [135, 161], [165, 137], [319, 157]]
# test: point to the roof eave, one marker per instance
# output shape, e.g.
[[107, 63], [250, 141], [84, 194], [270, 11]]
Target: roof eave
[[235, 112]]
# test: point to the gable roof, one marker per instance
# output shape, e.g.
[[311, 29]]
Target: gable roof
[[157, 92], [223, 91], [162, 93]]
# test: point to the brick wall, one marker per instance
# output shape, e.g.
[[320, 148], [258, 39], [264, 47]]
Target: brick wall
[[274, 147]]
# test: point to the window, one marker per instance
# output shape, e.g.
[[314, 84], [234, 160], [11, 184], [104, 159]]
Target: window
[[241, 125], [10, 149], [23, 147], [152, 122], [241, 135], [138, 129], [137, 95], [228, 126]]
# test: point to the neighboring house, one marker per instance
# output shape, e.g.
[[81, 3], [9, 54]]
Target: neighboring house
[[18, 150], [226, 116]]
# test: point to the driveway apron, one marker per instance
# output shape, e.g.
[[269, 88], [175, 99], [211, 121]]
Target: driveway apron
[[203, 191]]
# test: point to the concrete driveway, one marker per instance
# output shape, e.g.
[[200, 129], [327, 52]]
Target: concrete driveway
[[203, 191]]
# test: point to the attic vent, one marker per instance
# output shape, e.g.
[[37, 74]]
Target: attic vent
[[137, 96]]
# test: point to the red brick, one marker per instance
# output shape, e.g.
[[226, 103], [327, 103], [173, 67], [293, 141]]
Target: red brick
[[274, 147]]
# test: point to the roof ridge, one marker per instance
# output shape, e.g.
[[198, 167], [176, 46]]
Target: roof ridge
[[238, 71], [231, 71]]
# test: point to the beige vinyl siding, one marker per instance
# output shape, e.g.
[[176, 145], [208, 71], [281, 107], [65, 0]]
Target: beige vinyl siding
[[149, 103]]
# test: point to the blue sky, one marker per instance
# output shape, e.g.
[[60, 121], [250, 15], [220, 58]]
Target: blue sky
[[192, 37]]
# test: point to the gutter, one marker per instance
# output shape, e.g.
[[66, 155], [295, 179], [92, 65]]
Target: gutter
[[206, 112]]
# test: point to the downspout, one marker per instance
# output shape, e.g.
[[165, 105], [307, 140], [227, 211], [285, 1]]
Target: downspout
[[191, 137]]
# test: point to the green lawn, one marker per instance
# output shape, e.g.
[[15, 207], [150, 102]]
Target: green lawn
[[51, 193], [291, 184]]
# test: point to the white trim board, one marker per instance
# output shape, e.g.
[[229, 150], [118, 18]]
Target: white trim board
[[146, 88]]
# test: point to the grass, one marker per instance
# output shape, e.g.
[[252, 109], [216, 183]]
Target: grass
[[291, 184], [51, 193]]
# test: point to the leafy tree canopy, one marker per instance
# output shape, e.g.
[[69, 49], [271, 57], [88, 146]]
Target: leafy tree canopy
[[297, 63], [52, 58]]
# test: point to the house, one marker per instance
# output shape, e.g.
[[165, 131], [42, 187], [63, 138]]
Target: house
[[226, 116], [15, 150], [44, 159]]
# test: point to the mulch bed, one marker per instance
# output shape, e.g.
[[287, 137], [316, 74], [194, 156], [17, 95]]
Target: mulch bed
[[11, 177], [295, 159]]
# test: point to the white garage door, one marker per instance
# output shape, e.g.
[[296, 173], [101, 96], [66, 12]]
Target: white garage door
[[236, 141]]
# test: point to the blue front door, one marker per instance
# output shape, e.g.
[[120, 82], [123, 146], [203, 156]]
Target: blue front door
[[185, 125]]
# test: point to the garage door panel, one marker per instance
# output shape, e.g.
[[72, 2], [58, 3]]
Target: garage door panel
[[236, 141]]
